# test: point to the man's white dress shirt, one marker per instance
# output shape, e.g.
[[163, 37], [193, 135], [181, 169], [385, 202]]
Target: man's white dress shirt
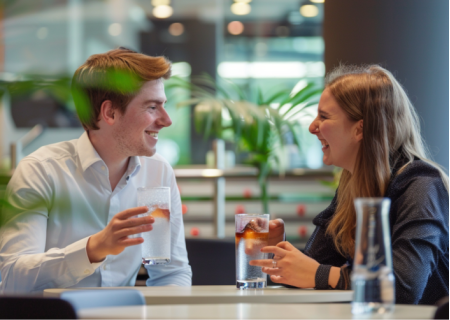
[[58, 197]]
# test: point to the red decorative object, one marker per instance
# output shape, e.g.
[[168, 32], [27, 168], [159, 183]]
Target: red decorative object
[[195, 231], [302, 231], [247, 193], [301, 210], [239, 209], [184, 208]]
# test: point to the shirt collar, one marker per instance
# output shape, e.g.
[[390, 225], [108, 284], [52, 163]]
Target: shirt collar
[[86, 151], [133, 166], [88, 156]]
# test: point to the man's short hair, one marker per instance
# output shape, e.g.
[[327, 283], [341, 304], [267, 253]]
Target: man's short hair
[[116, 75]]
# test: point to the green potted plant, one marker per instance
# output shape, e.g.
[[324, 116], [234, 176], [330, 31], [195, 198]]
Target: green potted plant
[[257, 126]]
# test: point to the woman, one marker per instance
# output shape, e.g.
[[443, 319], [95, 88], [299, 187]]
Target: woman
[[368, 127]]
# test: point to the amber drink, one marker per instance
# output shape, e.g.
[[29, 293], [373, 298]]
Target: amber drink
[[252, 234], [156, 246]]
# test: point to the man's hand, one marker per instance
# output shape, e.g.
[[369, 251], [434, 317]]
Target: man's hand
[[276, 231], [114, 238]]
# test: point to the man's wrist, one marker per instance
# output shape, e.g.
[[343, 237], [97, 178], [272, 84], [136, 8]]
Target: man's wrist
[[92, 250]]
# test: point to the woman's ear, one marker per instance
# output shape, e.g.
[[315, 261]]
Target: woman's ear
[[359, 131], [107, 112]]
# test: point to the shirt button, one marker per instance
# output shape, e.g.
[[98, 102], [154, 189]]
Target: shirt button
[[103, 167], [104, 267], [128, 178], [86, 271]]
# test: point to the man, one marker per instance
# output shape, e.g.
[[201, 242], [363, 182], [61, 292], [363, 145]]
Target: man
[[71, 212]]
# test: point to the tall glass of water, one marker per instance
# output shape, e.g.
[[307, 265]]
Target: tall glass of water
[[156, 246], [252, 234], [373, 280]]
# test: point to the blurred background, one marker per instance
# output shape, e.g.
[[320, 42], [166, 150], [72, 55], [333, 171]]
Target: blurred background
[[262, 46]]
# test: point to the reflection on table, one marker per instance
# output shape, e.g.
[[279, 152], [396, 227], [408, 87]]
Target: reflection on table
[[227, 294], [252, 311]]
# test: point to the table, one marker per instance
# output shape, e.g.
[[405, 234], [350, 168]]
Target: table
[[252, 311], [226, 294]]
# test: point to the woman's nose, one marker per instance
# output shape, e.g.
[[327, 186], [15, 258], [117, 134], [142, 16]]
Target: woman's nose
[[313, 126]]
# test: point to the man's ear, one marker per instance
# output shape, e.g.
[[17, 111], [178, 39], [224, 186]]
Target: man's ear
[[359, 131], [107, 112]]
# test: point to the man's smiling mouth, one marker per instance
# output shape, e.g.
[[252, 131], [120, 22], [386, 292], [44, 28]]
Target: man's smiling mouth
[[152, 134]]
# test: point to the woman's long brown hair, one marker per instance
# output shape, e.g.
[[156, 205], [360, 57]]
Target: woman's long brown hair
[[391, 131]]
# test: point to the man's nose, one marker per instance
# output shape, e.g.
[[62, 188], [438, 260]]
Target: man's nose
[[165, 120]]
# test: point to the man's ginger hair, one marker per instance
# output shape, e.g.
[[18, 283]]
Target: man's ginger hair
[[116, 75]]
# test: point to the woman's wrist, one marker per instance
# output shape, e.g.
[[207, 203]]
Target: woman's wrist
[[333, 278]]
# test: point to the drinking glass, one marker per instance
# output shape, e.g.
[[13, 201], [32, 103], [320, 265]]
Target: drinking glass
[[373, 280], [252, 234], [156, 246]]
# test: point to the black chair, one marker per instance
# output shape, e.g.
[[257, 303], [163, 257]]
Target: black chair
[[442, 309], [212, 261], [35, 308]]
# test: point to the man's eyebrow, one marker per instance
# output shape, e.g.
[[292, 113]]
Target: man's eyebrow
[[154, 101]]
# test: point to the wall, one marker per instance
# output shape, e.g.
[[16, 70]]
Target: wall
[[409, 38]]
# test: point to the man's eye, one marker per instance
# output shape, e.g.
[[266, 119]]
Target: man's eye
[[323, 117]]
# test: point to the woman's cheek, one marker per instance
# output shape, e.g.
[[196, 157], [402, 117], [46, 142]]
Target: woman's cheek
[[326, 130]]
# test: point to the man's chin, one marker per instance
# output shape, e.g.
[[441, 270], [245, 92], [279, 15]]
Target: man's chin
[[147, 153]]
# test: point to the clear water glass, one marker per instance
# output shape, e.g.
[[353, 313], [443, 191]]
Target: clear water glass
[[252, 234], [372, 278], [156, 246]]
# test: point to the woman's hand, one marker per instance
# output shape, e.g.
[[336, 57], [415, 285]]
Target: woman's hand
[[276, 231], [293, 267]]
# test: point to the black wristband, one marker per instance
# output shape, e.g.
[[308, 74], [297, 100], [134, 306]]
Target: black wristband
[[322, 274]]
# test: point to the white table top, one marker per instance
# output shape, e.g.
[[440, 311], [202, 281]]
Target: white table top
[[227, 294], [252, 311]]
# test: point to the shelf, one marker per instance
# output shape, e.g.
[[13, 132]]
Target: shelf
[[204, 172]]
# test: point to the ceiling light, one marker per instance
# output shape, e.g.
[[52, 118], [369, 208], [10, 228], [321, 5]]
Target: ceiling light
[[243, 1], [317, 1], [115, 29], [156, 3], [235, 27], [181, 69], [162, 11], [176, 29], [309, 10], [240, 8]]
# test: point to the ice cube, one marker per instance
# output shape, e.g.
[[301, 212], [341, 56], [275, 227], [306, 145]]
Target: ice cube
[[256, 225], [164, 206]]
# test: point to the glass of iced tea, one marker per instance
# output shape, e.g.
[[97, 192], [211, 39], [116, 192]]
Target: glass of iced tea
[[156, 246], [252, 234]]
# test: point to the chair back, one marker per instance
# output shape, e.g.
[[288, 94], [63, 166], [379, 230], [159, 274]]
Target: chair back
[[12, 307], [442, 309], [212, 261], [98, 298]]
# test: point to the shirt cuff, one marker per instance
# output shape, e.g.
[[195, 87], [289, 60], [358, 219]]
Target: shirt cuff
[[78, 261]]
